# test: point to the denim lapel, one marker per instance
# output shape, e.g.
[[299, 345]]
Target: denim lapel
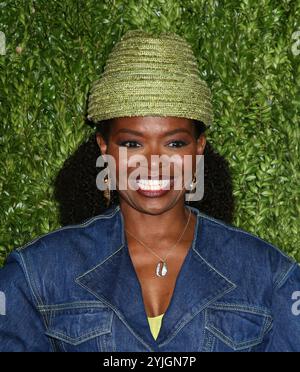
[[197, 286], [114, 282]]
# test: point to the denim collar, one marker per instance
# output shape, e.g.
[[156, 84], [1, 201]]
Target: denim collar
[[114, 282]]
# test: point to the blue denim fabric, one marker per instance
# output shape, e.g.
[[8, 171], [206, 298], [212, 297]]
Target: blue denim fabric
[[75, 289]]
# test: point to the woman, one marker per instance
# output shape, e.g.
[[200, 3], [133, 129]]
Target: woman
[[81, 200], [151, 273]]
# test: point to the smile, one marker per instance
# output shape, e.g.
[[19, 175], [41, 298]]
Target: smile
[[152, 185]]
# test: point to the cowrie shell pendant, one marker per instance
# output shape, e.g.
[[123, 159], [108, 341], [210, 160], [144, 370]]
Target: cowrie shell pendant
[[161, 269]]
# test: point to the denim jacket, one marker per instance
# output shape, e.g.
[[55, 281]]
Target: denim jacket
[[75, 289]]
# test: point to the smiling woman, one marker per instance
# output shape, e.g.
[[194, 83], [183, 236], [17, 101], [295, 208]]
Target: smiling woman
[[150, 272], [150, 138], [81, 200], [169, 138]]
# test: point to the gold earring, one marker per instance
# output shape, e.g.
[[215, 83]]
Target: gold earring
[[106, 192], [193, 183], [192, 186]]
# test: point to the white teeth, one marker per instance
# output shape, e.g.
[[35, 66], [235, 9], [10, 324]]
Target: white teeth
[[152, 184]]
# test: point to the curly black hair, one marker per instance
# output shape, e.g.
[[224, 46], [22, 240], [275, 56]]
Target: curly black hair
[[79, 198]]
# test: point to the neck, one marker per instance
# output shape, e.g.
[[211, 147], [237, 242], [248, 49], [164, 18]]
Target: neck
[[164, 226]]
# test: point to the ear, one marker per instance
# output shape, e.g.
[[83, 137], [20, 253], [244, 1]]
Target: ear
[[101, 143], [201, 142]]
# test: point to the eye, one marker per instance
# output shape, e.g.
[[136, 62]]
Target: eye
[[129, 144], [177, 144]]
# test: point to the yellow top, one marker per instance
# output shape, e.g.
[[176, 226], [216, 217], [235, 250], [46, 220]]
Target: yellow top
[[155, 324]]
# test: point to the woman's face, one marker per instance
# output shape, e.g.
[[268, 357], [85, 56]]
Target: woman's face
[[143, 137]]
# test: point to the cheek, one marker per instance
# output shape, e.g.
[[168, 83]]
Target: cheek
[[184, 164], [125, 172]]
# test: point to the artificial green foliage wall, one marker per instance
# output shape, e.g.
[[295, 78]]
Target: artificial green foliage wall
[[55, 49]]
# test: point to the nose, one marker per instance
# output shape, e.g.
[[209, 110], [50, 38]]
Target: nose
[[159, 165], [156, 160]]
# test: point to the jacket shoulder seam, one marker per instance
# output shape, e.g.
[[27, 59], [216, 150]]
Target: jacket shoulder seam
[[36, 300], [73, 226], [240, 230], [284, 276]]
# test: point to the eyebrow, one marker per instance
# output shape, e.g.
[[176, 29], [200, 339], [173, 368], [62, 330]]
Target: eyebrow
[[140, 134]]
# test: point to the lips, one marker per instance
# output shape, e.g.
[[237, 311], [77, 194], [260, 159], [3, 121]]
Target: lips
[[153, 184], [153, 188]]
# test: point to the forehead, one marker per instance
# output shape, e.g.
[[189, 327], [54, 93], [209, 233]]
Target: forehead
[[152, 123]]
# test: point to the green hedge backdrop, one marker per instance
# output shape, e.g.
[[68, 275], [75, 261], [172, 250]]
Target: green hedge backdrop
[[55, 49]]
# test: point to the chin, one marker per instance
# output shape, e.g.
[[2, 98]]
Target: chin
[[154, 205]]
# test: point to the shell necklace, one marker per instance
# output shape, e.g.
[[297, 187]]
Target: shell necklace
[[161, 267]]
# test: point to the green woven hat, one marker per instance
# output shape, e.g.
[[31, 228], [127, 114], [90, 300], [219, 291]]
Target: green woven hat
[[150, 75]]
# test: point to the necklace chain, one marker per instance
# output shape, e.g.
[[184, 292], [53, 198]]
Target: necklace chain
[[178, 240]]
